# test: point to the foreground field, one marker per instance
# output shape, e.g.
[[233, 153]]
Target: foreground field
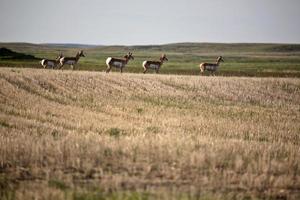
[[91, 135]]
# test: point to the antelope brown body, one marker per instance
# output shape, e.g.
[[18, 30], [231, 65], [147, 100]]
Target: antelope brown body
[[154, 64], [72, 61], [118, 62], [51, 63], [212, 67]]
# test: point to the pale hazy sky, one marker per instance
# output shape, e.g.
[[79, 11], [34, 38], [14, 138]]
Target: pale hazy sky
[[131, 22]]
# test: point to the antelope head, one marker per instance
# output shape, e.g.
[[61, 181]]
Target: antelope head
[[59, 56], [80, 54], [129, 56], [220, 59], [163, 58]]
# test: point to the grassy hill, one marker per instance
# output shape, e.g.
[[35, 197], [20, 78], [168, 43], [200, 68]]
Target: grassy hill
[[7, 54], [91, 135], [280, 60]]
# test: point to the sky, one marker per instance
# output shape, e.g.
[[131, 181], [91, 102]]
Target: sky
[[142, 22]]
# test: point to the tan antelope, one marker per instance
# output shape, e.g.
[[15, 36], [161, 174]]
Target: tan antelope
[[51, 63], [154, 64], [212, 67], [72, 61], [117, 62]]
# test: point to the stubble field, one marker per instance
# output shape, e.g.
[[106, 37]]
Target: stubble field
[[91, 135]]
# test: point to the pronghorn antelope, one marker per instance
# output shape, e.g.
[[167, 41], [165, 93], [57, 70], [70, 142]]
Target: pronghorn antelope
[[117, 62], [51, 63], [154, 64], [212, 67], [71, 60]]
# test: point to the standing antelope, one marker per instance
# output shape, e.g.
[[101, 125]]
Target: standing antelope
[[154, 64], [72, 61], [51, 63], [212, 67], [117, 62]]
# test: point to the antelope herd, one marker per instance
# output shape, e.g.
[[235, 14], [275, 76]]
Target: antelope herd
[[120, 63]]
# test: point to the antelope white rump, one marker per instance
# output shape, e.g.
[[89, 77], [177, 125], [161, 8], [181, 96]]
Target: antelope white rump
[[108, 61]]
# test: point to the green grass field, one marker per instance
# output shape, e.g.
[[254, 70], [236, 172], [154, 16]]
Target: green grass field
[[262, 60]]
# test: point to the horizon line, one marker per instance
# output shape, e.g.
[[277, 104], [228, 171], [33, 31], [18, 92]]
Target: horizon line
[[157, 44]]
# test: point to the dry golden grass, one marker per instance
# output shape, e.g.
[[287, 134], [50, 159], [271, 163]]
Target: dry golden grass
[[169, 136]]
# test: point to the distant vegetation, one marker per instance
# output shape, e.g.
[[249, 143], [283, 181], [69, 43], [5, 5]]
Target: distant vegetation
[[7, 54], [260, 60], [286, 48], [70, 45]]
